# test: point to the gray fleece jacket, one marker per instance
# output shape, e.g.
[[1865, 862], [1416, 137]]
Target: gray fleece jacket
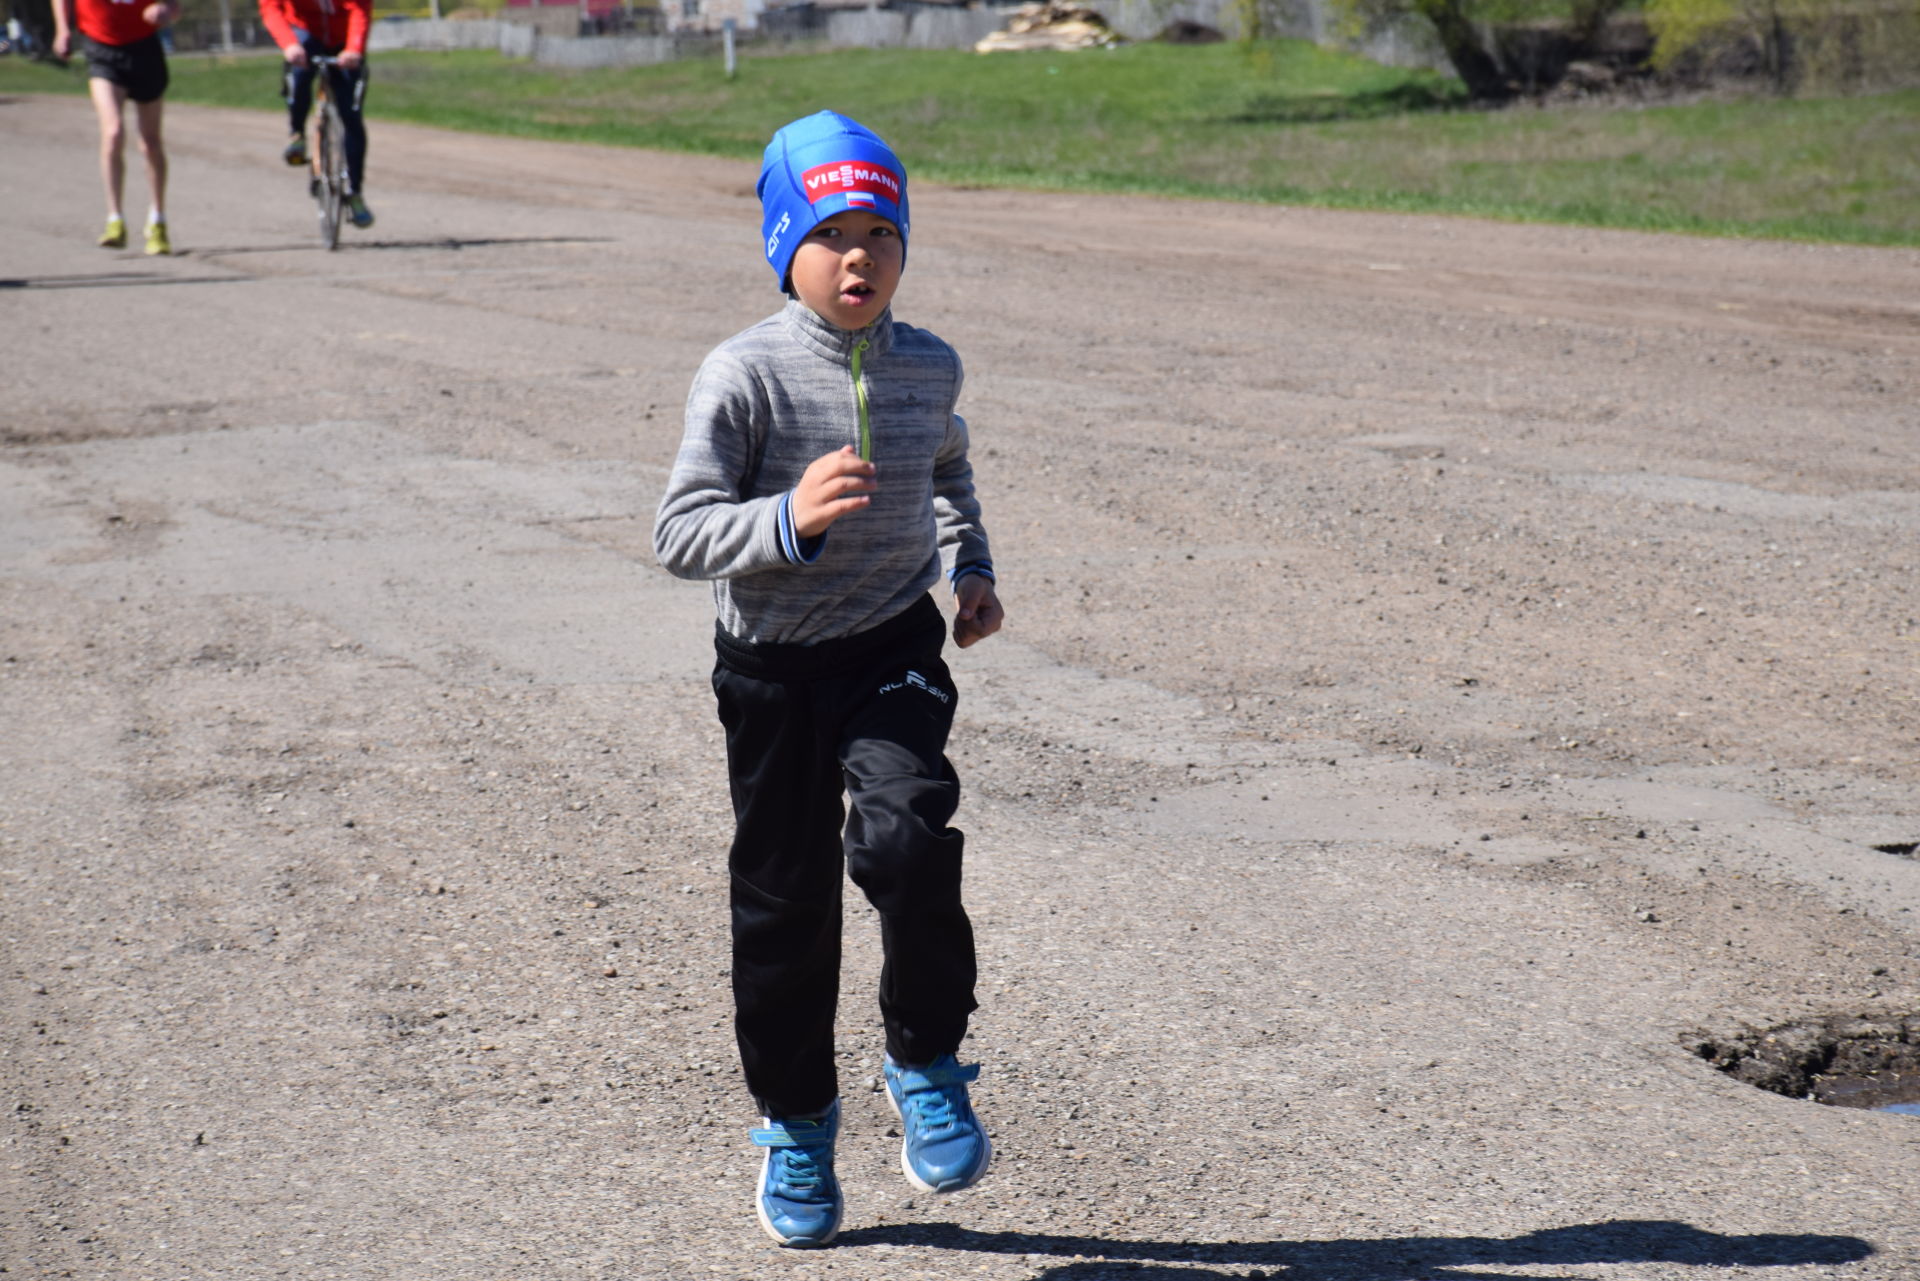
[[765, 404]]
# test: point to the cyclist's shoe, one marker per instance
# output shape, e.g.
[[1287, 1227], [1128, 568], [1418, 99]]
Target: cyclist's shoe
[[157, 242], [295, 153], [944, 1147], [798, 1198], [115, 236], [358, 211]]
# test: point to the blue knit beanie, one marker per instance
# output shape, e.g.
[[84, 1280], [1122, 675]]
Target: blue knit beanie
[[821, 165]]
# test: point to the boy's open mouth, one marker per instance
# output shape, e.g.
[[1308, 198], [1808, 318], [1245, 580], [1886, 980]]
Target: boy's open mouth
[[858, 289]]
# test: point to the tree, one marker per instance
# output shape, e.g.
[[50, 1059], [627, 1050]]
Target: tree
[[1468, 31], [1467, 49]]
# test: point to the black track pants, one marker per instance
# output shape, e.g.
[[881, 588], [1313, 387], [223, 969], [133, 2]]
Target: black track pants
[[879, 735], [349, 92]]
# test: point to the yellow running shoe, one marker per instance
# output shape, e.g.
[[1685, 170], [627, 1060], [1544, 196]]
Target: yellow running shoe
[[115, 236], [157, 242]]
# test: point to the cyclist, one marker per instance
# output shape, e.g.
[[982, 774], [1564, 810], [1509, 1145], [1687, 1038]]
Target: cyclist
[[124, 60], [309, 29]]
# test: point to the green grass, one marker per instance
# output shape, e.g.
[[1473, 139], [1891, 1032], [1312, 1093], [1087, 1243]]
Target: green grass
[[1281, 122]]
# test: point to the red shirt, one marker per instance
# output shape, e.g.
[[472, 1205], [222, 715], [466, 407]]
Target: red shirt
[[112, 21], [335, 25]]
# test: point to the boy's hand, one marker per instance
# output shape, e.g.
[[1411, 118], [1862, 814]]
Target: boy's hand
[[833, 485], [977, 614]]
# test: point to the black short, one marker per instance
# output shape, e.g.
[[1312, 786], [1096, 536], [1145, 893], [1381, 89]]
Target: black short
[[140, 68]]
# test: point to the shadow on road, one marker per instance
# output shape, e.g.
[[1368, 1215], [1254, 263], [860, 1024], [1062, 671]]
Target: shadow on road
[[357, 244], [114, 280], [1434, 1258], [121, 279]]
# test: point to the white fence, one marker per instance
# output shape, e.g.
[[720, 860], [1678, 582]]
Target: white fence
[[520, 40], [917, 27]]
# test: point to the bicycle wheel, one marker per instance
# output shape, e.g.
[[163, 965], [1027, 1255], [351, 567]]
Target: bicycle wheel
[[330, 173]]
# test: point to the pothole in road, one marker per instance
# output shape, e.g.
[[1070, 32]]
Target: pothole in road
[[1847, 1061]]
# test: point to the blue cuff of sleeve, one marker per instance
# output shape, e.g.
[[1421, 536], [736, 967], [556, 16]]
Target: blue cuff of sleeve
[[982, 567], [797, 550]]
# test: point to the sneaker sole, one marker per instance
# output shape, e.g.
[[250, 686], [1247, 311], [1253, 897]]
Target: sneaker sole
[[906, 1162], [786, 1242]]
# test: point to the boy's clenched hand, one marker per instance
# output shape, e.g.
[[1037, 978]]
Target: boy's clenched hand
[[977, 613], [833, 485]]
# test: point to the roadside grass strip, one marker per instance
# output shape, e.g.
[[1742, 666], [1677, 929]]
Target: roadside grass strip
[[1282, 122]]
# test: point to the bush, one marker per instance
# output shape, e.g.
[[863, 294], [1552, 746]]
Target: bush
[[1820, 46]]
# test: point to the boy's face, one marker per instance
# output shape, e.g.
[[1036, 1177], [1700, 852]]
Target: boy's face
[[847, 268]]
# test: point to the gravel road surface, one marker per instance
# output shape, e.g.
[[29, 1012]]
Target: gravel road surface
[[1454, 671]]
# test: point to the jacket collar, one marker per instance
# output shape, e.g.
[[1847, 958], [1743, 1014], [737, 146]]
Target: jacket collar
[[812, 331]]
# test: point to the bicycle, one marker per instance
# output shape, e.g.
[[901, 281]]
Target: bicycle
[[329, 182]]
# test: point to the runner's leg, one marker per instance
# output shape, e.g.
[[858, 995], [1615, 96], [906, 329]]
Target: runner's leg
[[785, 871], [154, 151], [904, 855], [107, 99]]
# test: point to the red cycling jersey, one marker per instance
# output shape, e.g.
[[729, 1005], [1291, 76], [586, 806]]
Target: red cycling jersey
[[335, 25], [113, 21]]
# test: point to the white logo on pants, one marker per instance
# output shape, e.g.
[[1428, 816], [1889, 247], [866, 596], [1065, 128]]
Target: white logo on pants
[[917, 681]]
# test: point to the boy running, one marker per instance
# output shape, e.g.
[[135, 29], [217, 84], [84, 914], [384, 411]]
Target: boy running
[[124, 60], [823, 486]]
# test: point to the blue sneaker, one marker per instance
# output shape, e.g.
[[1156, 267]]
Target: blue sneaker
[[799, 1199], [945, 1148]]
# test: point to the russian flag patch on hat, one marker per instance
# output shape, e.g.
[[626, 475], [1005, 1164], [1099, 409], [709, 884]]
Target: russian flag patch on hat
[[821, 165]]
